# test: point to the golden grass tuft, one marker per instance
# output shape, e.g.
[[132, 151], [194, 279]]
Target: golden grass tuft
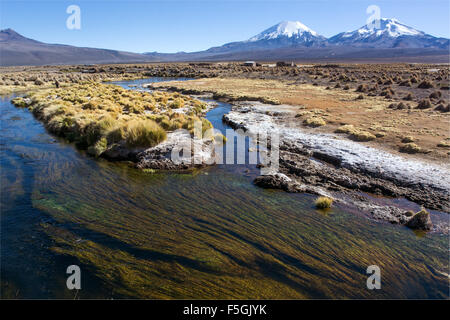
[[408, 139], [444, 144], [410, 148], [323, 203], [348, 128], [362, 136], [356, 134], [143, 133], [314, 122]]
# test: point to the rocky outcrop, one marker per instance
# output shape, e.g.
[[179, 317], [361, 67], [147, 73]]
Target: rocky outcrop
[[183, 145], [347, 171], [420, 221], [341, 165], [160, 157]]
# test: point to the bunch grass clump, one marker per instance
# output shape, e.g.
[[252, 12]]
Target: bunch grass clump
[[355, 133], [410, 148], [314, 122], [444, 144], [144, 133], [323, 203]]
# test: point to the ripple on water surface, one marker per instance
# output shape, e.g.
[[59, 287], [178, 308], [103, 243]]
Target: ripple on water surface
[[206, 234]]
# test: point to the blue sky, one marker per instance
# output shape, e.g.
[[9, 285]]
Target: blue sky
[[191, 25]]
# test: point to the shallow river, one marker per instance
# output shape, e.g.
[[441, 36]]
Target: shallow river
[[206, 234]]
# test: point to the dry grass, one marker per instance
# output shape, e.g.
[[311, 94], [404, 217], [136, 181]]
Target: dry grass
[[410, 148], [370, 117], [323, 203], [314, 122], [362, 136], [408, 139], [143, 133], [96, 116], [444, 144], [356, 134], [309, 86], [348, 128]]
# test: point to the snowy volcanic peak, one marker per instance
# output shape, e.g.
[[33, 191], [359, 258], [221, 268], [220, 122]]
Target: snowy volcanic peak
[[388, 33], [287, 29], [390, 27]]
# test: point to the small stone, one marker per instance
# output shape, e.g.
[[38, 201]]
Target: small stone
[[421, 221]]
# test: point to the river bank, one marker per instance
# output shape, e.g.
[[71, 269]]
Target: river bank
[[126, 125], [142, 127], [324, 163], [327, 165], [210, 233]]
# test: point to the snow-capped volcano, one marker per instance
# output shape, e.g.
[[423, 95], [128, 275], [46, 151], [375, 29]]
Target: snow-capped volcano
[[287, 29], [388, 33], [386, 27], [288, 33]]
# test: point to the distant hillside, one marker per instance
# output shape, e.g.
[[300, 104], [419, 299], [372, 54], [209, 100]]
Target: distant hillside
[[16, 49], [336, 54], [288, 40], [292, 40]]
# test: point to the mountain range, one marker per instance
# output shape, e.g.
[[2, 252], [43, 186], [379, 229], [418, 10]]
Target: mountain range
[[16, 49], [390, 34], [390, 40]]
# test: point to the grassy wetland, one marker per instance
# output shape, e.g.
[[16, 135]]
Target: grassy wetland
[[208, 233], [315, 98], [96, 116]]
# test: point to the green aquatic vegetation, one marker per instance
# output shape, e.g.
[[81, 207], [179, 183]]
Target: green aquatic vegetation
[[217, 236]]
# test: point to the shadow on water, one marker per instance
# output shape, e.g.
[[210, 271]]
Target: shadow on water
[[206, 234]]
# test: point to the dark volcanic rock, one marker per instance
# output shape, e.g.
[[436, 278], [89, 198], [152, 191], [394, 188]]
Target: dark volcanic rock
[[120, 152], [327, 158], [276, 181]]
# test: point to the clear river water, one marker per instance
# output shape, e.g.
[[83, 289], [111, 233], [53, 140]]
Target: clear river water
[[205, 234]]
